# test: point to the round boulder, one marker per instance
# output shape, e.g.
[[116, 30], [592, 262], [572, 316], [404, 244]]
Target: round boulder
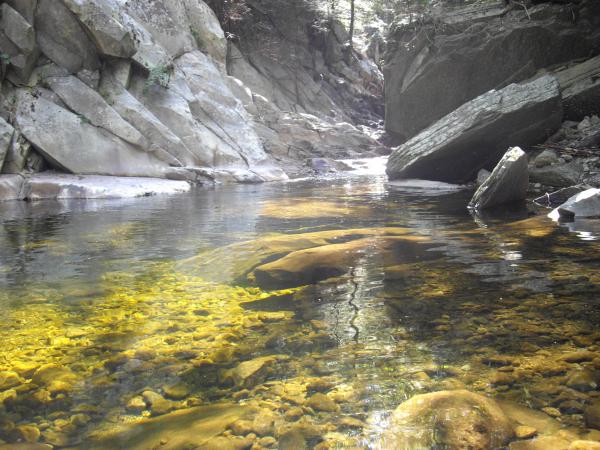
[[452, 420]]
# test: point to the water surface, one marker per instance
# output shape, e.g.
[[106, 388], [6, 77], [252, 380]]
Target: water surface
[[124, 323]]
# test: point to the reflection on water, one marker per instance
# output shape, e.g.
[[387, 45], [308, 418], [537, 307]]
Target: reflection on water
[[185, 322]]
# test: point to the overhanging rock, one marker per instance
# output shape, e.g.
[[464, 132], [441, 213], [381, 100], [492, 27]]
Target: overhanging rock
[[476, 135]]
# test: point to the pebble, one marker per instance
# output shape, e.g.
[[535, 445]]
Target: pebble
[[525, 432], [322, 402], [552, 412]]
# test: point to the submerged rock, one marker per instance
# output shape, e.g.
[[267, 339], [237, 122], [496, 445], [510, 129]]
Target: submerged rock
[[475, 135], [188, 428], [507, 183], [450, 419], [250, 373]]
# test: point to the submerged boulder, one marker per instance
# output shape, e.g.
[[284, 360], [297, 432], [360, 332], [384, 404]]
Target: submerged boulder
[[476, 135], [448, 419], [507, 183]]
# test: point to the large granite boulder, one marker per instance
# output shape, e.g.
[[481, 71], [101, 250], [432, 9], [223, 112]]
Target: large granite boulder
[[90, 105], [434, 66], [476, 135], [62, 37], [17, 43], [6, 134], [12, 187], [101, 21], [73, 144], [453, 420], [507, 183]]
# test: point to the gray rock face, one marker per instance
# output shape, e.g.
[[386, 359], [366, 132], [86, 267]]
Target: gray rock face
[[60, 186], [455, 57], [18, 42], [6, 134], [72, 144], [12, 187], [558, 175], [583, 204], [476, 134], [206, 29], [93, 108], [580, 85], [108, 33], [17, 29], [507, 183], [62, 38]]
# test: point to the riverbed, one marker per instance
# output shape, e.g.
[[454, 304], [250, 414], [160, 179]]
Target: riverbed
[[287, 314]]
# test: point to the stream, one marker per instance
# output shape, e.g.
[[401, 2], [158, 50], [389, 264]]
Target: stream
[[286, 315]]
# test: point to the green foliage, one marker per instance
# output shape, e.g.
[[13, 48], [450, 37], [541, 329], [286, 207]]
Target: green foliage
[[4, 58], [83, 119], [159, 75]]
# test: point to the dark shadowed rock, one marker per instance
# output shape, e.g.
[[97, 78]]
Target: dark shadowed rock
[[580, 86], [507, 183], [556, 198], [557, 175], [434, 67], [477, 134]]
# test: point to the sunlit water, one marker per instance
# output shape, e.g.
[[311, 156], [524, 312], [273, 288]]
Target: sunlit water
[[103, 302]]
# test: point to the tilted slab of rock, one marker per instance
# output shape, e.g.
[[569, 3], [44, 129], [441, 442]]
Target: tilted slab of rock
[[61, 186], [100, 21], [507, 183], [433, 68], [62, 38], [85, 101], [166, 145], [76, 146], [476, 135], [583, 204], [6, 134], [580, 86]]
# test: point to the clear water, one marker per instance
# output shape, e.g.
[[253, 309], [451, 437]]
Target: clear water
[[103, 301]]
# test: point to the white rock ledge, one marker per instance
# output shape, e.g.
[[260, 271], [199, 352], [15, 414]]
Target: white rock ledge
[[63, 186]]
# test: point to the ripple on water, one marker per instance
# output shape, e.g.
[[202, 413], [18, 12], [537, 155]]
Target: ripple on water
[[147, 323]]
